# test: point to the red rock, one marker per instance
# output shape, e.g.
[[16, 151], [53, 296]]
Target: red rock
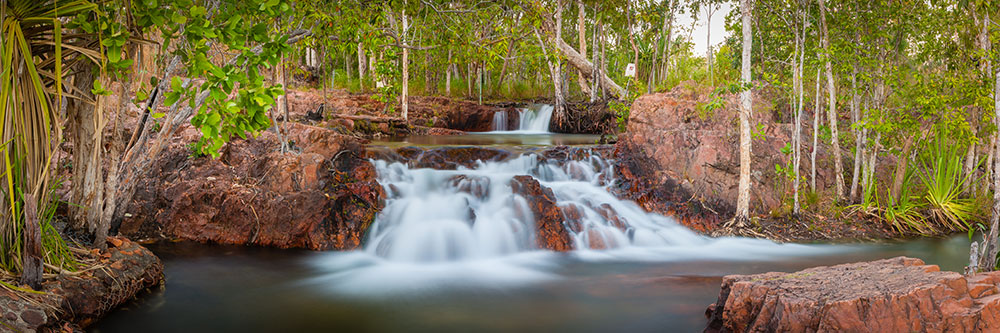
[[79, 300], [891, 295], [322, 198], [550, 232]]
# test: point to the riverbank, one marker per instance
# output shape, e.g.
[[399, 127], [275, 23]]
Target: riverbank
[[71, 301]]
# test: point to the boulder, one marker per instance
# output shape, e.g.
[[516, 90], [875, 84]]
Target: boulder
[[322, 196], [679, 159], [72, 302], [892, 295], [550, 232]]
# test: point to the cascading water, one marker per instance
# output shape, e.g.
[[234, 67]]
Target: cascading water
[[536, 118], [531, 120], [500, 121], [468, 226]]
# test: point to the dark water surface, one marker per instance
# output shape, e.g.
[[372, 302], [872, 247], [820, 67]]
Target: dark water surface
[[213, 288]]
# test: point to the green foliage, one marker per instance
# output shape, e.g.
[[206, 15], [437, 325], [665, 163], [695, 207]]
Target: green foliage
[[30, 98], [944, 179]]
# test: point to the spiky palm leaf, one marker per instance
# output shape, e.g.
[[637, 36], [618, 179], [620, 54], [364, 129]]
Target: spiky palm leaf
[[32, 53]]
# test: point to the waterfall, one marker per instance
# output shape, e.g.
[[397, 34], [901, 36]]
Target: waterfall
[[467, 228], [531, 120], [536, 118], [500, 121]]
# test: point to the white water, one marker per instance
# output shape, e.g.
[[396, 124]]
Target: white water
[[532, 120], [500, 121], [466, 227]]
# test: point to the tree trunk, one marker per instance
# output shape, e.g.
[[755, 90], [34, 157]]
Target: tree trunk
[[901, 166], [406, 69], [361, 66], [708, 48], [838, 167], [31, 273], [447, 76], [988, 261], [858, 138], [593, 73], [746, 102], [667, 44], [581, 29], [585, 66], [797, 139], [87, 128], [815, 129]]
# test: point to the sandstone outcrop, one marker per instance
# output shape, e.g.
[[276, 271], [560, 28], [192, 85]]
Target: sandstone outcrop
[[322, 196], [892, 295], [679, 159], [550, 233], [72, 302]]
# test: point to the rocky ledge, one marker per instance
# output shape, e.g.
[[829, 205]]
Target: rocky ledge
[[322, 196], [73, 301], [892, 295]]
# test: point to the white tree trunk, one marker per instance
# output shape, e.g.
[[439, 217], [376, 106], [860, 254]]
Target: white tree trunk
[[581, 28], [746, 104], [838, 167], [797, 138], [406, 69], [988, 261], [815, 129], [859, 139], [361, 66], [447, 76]]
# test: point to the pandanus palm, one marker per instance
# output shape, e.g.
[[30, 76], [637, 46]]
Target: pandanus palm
[[33, 50]]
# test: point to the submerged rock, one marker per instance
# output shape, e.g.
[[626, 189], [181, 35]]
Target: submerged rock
[[321, 197], [550, 233], [76, 301], [892, 295]]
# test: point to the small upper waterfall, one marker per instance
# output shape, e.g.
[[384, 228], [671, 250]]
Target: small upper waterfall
[[536, 118], [533, 119], [500, 121]]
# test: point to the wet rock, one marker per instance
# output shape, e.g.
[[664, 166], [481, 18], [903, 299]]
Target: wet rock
[[79, 300], [450, 158], [323, 197], [891, 295], [550, 233], [477, 186]]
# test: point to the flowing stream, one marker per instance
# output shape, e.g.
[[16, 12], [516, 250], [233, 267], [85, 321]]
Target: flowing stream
[[533, 119], [455, 250]]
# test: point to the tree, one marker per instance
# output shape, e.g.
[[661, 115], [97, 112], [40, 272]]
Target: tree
[[746, 105], [838, 168]]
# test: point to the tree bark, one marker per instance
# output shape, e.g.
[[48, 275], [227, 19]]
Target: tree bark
[[815, 129], [797, 138], [406, 69], [838, 167], [988, 261], [447, 76], [858, 138], [585, 66], [746, 102], [581, 29], [361, 66], [31, 273]]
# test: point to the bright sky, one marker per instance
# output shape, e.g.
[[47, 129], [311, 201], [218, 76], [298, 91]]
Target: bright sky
[[701, 30]]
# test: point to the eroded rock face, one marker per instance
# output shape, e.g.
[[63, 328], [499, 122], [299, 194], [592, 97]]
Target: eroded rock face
[[78, 301], [322, 197], [680, 160], [541, 202], [891, 295]]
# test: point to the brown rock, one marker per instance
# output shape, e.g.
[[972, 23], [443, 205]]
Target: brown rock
[[81, 299], [322, 198], [891, 295], [550, 233]]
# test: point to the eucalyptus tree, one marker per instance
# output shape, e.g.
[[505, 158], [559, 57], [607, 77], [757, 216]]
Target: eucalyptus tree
[[746, 105]]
